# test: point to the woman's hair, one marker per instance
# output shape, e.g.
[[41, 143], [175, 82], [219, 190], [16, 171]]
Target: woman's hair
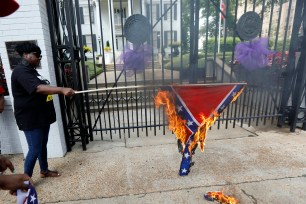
[[27, 47]]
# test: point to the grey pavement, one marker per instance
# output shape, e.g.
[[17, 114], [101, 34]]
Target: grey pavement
[[255, 165]]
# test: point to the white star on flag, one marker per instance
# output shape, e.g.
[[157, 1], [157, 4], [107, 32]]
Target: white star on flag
[[186, 155], [179, 108], [32, 198], [189, 123], [234, 94], [184, 170]]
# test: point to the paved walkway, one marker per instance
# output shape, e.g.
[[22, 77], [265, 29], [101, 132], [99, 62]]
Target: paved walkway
[[254, 165]]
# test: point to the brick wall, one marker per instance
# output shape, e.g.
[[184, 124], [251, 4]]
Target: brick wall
[[29, 22], [9, 138]]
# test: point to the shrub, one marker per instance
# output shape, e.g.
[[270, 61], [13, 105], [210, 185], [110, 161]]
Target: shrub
[[211, 45], [178, 63], [86, 48]]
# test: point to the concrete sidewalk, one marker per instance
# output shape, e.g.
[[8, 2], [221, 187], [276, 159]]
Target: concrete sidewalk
[[254, 165]]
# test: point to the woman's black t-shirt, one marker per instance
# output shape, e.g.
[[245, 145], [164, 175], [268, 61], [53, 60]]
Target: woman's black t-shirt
[[32, 110]]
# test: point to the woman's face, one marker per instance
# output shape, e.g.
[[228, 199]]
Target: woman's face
[[33, 58]]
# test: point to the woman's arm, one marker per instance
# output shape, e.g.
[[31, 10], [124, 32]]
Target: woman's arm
[[46, 89]]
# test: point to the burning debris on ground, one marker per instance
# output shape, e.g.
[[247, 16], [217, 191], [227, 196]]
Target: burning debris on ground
[[220, 197]]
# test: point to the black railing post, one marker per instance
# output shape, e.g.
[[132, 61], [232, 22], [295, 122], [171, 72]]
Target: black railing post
[[290, 75], [194, 37], [299, 84]]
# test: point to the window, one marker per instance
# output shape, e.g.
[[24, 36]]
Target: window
[[158, 39], [81, 15], [94, 43], [173, 9], [118, 14], [175, 36], [90, 41], [84, 39], [148, 8], [157, 12], [165, 11], [92, 14], [175, 12], [84, 15], [167, 37]]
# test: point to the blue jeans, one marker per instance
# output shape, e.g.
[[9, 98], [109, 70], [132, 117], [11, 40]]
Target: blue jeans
[[37, 140]]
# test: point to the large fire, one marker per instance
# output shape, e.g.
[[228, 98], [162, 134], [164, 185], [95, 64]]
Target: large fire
[[220, 197], [177, 124]]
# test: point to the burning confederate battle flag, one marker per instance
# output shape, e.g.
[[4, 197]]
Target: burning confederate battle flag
[[191, 110]]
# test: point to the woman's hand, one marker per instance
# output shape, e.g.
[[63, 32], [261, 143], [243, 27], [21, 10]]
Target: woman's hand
[[68, 91], [14, 182], [5, 163]]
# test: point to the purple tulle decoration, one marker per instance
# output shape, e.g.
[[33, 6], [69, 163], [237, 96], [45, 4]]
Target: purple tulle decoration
[[135, 60], [253, 55]]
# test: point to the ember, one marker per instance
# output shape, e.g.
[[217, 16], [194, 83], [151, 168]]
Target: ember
[[220, 197]]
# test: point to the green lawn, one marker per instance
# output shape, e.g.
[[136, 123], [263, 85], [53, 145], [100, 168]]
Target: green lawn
[[92, 72], [177, 62]]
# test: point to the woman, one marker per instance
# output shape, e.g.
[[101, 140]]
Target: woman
[[33, 106]]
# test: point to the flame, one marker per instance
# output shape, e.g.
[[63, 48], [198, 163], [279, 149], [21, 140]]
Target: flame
[[200, 135], [176, 123], [223, 199]]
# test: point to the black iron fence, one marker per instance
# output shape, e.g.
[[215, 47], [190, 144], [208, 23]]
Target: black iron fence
[[191, 41]]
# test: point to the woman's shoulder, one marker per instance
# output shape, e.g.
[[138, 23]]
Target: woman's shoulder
[[20, 71]]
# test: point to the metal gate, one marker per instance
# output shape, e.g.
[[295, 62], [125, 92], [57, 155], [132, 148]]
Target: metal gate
[[191, 41]]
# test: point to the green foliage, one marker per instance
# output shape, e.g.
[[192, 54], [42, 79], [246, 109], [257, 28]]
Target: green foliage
[[91, 71], [278, 46], [267, 3], [86, 48], [184, 62], [212, 12], [211, 45], [177, 65], [185, 26]]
